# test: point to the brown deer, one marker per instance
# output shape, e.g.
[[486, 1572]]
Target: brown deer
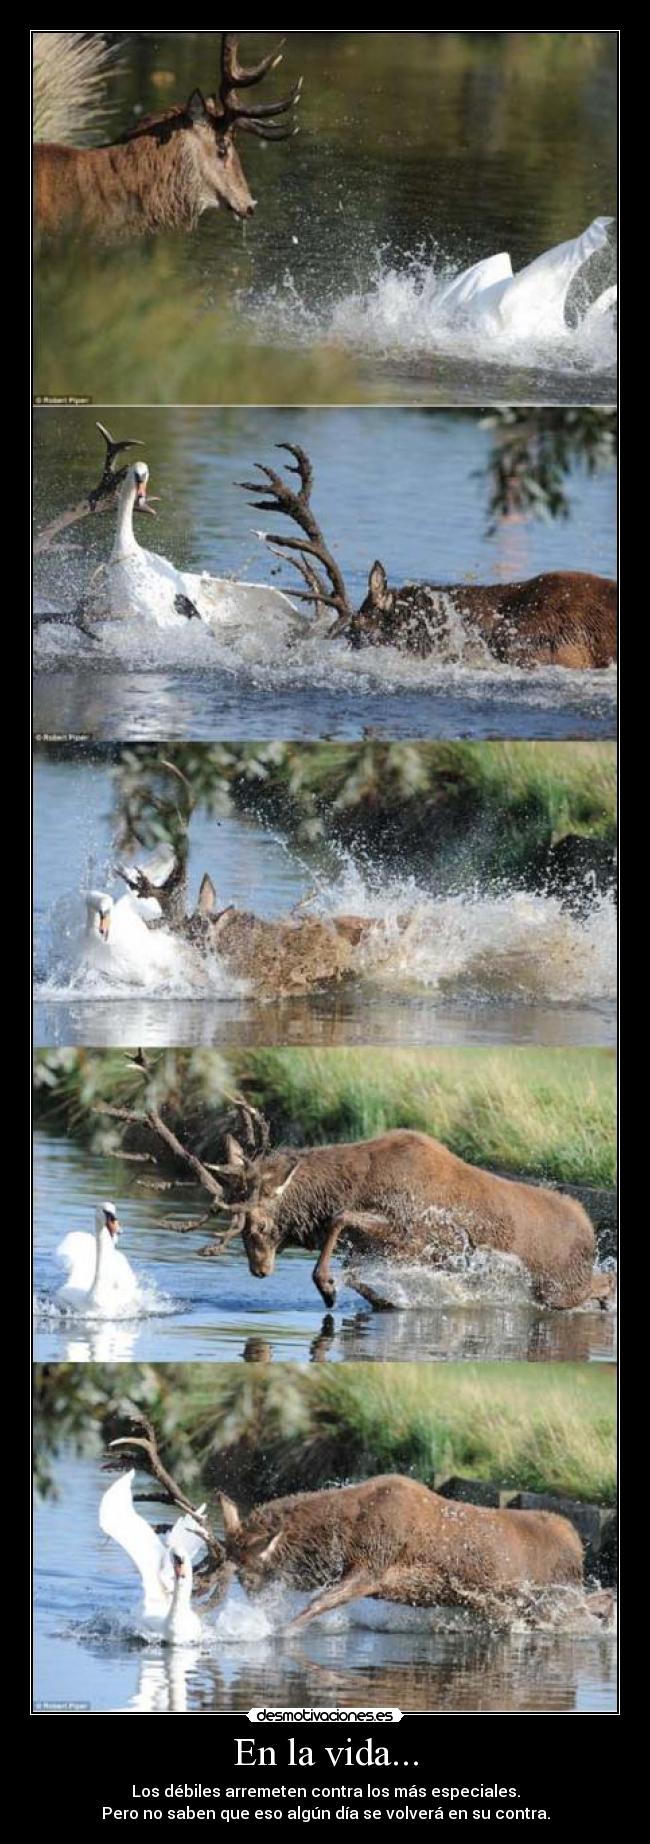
[[390, 1538], [393, 1539], [562, 618], [165, 173], [406, 1197]]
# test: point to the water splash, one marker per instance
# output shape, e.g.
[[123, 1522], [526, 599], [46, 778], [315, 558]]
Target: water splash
[[485, 313], [509, 945]]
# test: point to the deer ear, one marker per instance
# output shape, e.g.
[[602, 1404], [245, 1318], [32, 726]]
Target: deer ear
[[207, 896], [280, 1189], [378, 586], [266, 1554], [195, 106], [235, 1154], [230, 1515]]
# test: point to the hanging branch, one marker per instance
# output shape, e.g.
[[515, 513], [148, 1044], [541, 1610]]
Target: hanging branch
[[147, 1444]]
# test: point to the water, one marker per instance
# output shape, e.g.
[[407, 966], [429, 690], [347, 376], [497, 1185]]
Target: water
[[472, 966], [427, 520], [420, 153], [369, 1654], [217, 1311]]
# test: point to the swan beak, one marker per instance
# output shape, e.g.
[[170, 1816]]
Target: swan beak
[[179, 1567], [113, 1227], [105, 927]]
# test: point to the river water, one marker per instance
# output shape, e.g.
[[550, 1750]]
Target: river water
[[369, 1654]]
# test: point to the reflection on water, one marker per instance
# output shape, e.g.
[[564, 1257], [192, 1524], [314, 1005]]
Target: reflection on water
[[416, 148], [470, 965], [217, 1311], [370, 1654], [146, 684]]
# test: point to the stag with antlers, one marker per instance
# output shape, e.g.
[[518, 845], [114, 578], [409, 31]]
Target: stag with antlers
[[562, 618], [165, 173]]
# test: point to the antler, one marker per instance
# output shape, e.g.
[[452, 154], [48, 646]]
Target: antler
[[235, 76], [147, 1444], [311, 549], [255, 1127], [101, 496]]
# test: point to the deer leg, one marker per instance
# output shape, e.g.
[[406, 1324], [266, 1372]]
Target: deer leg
[[601, 1603], [346, 1219], [603, 1289], [352, 1588]]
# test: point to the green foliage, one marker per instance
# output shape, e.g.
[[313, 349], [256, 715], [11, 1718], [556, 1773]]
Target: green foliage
[[533, 457], [283, 1428], [492, 809], [542, 1113]]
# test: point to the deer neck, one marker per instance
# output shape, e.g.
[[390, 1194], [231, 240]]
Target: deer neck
[[125, 543]]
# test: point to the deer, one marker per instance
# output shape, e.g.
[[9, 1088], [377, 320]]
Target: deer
[[406, 1197], [281, 958], [388, 1538], [560, 618], [394, 1539], [163, 174]]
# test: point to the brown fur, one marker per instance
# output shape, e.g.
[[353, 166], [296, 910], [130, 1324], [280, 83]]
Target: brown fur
[[406, 1196], [562, 618], [160, 177], [393, 1539], [283, 958]]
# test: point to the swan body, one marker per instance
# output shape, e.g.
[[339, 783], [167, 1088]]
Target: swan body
[[99, 1278], [136, 584], [164, 1567], [121, 945], [533, 301]]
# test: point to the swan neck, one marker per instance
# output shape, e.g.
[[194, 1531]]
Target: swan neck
[[125, 544], [100, 1256]]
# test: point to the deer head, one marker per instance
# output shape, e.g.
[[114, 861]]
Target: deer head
[[213, 122], [251, 1551], [217, 122], [256, 1182]]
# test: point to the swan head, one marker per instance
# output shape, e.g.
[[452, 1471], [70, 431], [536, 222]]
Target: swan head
[[182, 1566], [99, 912], [106, 1218], [134, 487]]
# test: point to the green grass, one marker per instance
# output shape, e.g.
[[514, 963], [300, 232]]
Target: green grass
[[263, 1430], [548, 1114]]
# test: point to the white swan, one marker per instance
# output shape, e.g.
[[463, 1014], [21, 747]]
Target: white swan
[[165, 1568], [121, 946], [139, 585], [99, 1278], [532, 302]]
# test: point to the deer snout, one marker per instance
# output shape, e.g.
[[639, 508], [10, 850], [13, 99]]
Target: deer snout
[[262, 1264], [250, 208]]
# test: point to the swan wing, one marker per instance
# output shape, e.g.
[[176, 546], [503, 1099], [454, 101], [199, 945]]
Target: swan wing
[[119, 1519], [77, 1253], [186, 1538]]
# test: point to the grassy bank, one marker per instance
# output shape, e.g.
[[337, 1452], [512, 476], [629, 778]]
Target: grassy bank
[[261, 1431], [547, 1114]]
